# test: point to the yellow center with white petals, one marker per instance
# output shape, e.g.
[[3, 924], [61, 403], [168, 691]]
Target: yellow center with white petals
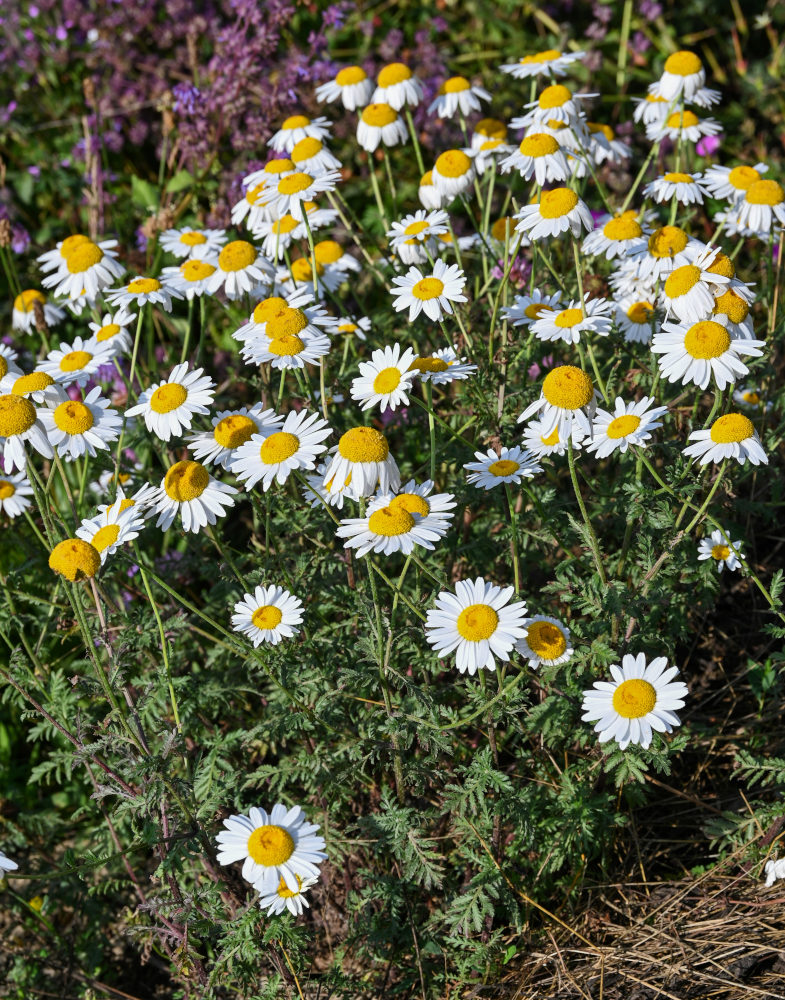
[[236, 256], [281, 165], [168, 397], [634, 698], [363, 444], [295, 183], [557, 203], [427, 179], [412, 503], [720, 552], [105, 537], [477, 622], [706, 340], [535, 309], [302, 269], [640, 312], [624, 227], [349, 75], [270, 845], [257, 193], [24, 302], [492, 128], [551, 439], [268, 308], [186, 481], [765, 193], [75, 360], [503, 467], [429, 365], [328, 252], [285, 892], [568, 318], [428, 288], [667, 242], [621, 427], [286, 224], [267, 617], [683, 63], [295, 121], [682, 119], [682, 280], [75, 558], [453, 163], [143, 286], [286, 347], [379, 115], [387, 381], [287, 323], [742, 177], [278, 447], [554, 96], [107, 332], [541, 57], [678, 178], [6, 489], [731, 429], [390, 521], [196, 270], [34, 382], [234, 430], [85, 256], [192, 238], [751, 397], [455, 85], [568, 387], [538, 144], [17, 415], [393, 73], [416, 227], [545, 640], [73, 417]]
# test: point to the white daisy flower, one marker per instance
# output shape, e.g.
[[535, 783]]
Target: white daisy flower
[[604, 147], [719, 547], [762, 203], [330, 254], [258, 203], [38, 386], [112, 528], [556, 104], [413, 238], [169, 406], [682, 77], [650, 109], [281, 845], [732, 182], [397, 86], [615, 236], [477, 622], [421, 501], [538, 155], [557, 211], [551, 62], [277, 317], [299, 278], [112, 334], [359, 328], [140, 291], [547, 641], [191, 278], [568, 324], [428, 193], [567, 399], [458, 96], [687, 189], [748, 397], [298, 127], [380, 124], [488, 128], [510, 465], [89, 268], [362, 458], [287, 350], [241, 268], [14, 491], [54, 260], [317, 494], [690, 291], [443, 367], [141, 501], [702, 351], [188, 242], [23, 312], [635, 318], [231, 429], [431, 294], [682, 125], [269, 614], [77, 428], [730, 436], [540, 441], [20, 424], [75, 364], [630, 423], [391, 526], [8, 365], [350, 86], [453, 173], [6, 864], [189, 490], [489, 154], [276, 451], [666, 248], [386, 379], [284, 898], [292, 191], [527, 309], [312, 157], [642, 697], [277, 235]]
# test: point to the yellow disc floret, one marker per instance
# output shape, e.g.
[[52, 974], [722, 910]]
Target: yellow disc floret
[[75, 559], [634, 698], [742, 177], [538, 144], [236, 256], [73, 417], [706, 340], [683, 63], [295, 183], [387, 381], [731, 428], [143, 286], [286, 323], [453, 163], [85, 256], [477, 622], [196, 270], [363, 444], [267, 617], [558, 202], [545, 640], [428, 288], [682, 280], [186, 481], [278, 447], [192, 238], [623, 227], [24, 302], [379, 115], [234, 430], [667, 242], [621, 427], [554, 96], [504, 467], [34, 382], [568, 387], [17, 415], [270, 845], [393, 73], [105, 537], [75, 360], [412, 503], [6, 489], [720, 552], [168, 397], [765, 193], [568, 318], [350, 74], [390, 521]]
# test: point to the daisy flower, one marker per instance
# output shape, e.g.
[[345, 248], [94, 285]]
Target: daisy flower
[[23, 313], [318, 495], [762, 203], [386, 379], [416, 233], [38, 386], [75, 364], [89, 268], [54, 260], [231, 429], [683, 76], [274, 452], [359, 328], [75, 559], [20, 424], [6, 864], [258, 203], [510, 465], [556, 104], [284, 898], [431, 294], [299, 278], [547, 641], [421, 501], [634, 318], [702, 351], [111, 528], [330, 254], [732, 182], [604, 146], [719, 547], [615, 236], [540, 441], [168, 407], [687, 189], [269, 614], [191, 278], [551, 62], [189, 490], [453, 173], [380, 124], [350, 86], [443, 367], [428, 193], [487, 155], [8, 365], [276, 317], [567, 399], [281, 845], [458, 96], [568, 324], [286, 350], [112, 334], [477, 622], [682, 126], [557, 211], [77, 428], [690, 291], [730, 436], [190, 242], [650, 108], [527, 309], [240, 269], [538, 155], [298, 127], [748, 397], [291, 191], [630, 423], [312, 157], [140, 291], [362, 457], [397, 86], [666, 248], [14, 491], [279, 234], [488, 128], [391, 527]]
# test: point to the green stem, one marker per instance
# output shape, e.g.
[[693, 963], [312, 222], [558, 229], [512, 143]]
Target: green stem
[[164, 641], [516, 568], [415, 140], [593, 543]]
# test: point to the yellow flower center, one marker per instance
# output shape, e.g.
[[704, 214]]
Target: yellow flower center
[[306, 148], [722, 264], [427, 179], [677, 178], [455, 85], [143, 286], [168, 397], [294, 183], [503, 228], [284, 225], [706, 339], [558, 202], [538, 144], [3, 366], [412, 503], [73, 417], [287, 323], [17, 415], [268, 308], [453, 163], [75, 558], [387, 380], [545, 640], [683, 63], [192, 238], [682, 280], [765, 193], [622, 426], [720, 552], [234, 430], [363, 444], [624, 227], [351, 74], [328, 252], [75, 360], [492, 128], [535, 309], [83, 258], [393, 73], [270, 845], [347, 327], [107, 332], [634, 698], [640, 312], [551, 439], [667, 242], [429, 365], [302, 270], [105, 537], [568, 387], [255, 194], [281, 165], [568, 318], [267, 617], [416, 227], [379, 115], [541, 57], [70, 243], [682, 119], [390, 521], [196, 270], [34, 382], [428, 288], [286, 347], [6, 489], [285, 892], [733, 427], [751, 397], [742, 177], [24, 302], [653, 99], [126, 502], [554, 96], [477, 622], [186, 481], [296, 121], [278, 447], [236, 256], [504, 467]]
